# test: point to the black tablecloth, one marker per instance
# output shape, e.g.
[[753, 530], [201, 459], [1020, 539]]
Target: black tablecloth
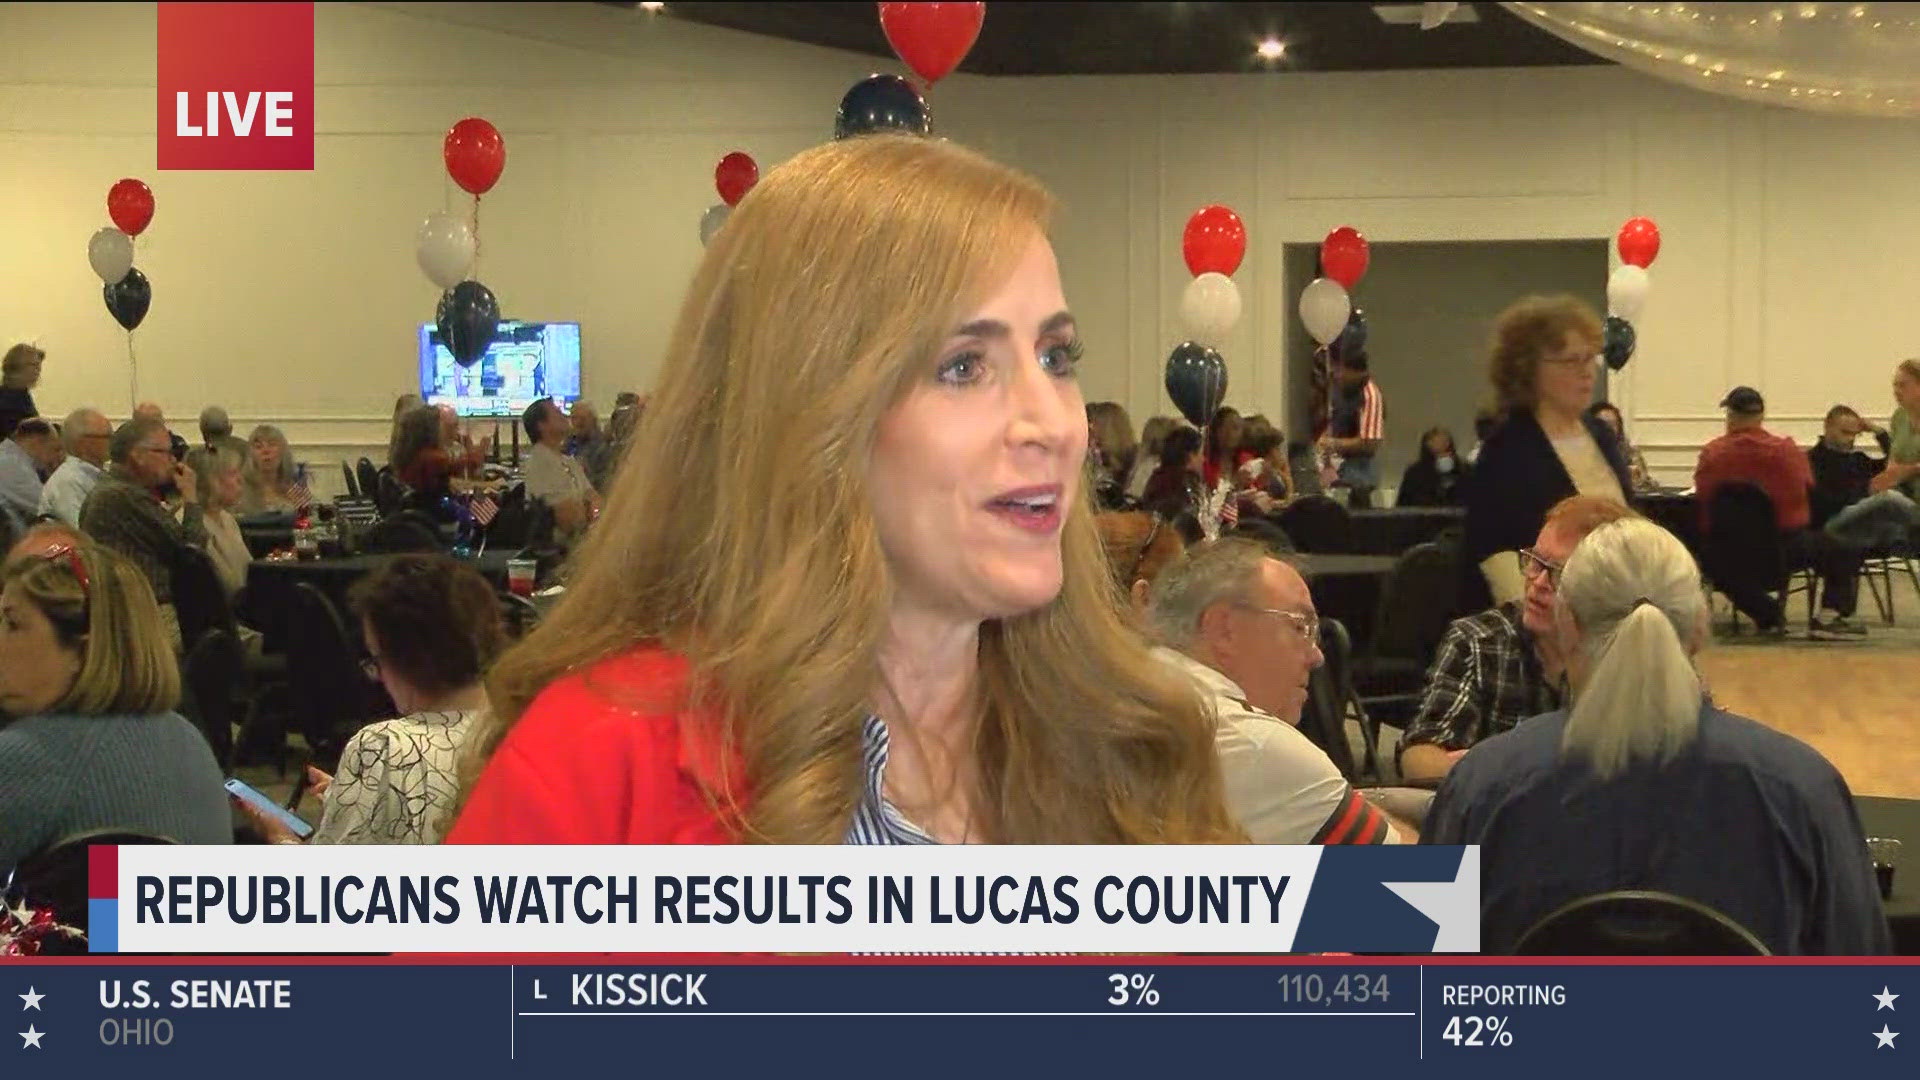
[[1346, 587], [1392, 530], [270, 586], [1900, 820]]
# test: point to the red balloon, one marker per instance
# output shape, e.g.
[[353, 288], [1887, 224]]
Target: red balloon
[[735, 176], [475, 154], [130, 204], [1344, 255], [1215, 241], [1639, 242], [932, 38]]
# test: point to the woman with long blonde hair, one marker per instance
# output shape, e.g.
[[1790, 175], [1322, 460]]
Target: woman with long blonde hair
[[883, 616]]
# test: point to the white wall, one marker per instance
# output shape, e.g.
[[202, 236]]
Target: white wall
[[293, 296], [1788, 239]]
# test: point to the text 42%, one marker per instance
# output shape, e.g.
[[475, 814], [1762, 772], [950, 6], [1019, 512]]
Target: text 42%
[[1136, 990], [1478, 1031]]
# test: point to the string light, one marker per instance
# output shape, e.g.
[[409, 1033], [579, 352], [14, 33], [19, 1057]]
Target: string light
[[1271, 48]]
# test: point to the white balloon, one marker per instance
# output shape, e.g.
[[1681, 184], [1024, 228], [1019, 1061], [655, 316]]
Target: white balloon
[[1324, 307], [1627, 292], [711, 221], [444, 248], [110, 253], [1210, 308]]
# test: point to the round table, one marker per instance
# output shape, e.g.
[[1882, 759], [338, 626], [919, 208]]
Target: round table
[[1394, 529], [270, 585]]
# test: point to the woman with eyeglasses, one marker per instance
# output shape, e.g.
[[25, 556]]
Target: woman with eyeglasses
[[431, 626], [1543, 365], [89, 678]]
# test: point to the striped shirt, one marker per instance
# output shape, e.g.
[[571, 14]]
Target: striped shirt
[[875, 819]]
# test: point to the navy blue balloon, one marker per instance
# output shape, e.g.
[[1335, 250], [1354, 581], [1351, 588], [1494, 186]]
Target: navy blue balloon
[[1619, 343], [468, 318], [1353, 338], [1196, 381], [129, 298], [881, 103]]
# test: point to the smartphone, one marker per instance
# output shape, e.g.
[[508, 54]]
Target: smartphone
[[243, 790]]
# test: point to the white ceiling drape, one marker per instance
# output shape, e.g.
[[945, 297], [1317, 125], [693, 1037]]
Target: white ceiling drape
[[1856, 59]]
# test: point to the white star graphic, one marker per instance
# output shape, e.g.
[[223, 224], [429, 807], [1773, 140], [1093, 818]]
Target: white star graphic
[[32, 1000], [1886, 1037], [31, 1038], [1453, 904], [1885, 998]]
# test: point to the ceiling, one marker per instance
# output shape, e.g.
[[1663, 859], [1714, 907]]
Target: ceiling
[[1170, 38]]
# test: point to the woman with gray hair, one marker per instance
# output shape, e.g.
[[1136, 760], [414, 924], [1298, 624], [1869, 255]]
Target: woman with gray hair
[[218, 470], [273, 478], [1646, 785]]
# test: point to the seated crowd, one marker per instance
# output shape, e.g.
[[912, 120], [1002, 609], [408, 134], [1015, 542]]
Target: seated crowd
[[923, 593]]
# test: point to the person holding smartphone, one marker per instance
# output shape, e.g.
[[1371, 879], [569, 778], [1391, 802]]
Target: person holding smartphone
[[432, 625]]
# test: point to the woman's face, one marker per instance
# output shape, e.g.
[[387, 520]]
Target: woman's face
[[1906, 391], [973, 471], [266, 455], [1565, 376], [36, 670], [226, 489], [1440, 444]]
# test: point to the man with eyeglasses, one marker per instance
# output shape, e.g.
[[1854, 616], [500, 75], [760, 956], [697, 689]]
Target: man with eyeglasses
[[1241, 625], [1499, 667], [86, 434], [128, 513]]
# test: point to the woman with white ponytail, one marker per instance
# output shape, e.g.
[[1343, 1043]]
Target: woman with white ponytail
[[1645, 784]]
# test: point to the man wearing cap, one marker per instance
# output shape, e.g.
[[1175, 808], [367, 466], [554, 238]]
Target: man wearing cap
[[1750, 454]]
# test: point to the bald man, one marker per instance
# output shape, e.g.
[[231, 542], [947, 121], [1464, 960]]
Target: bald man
[[86, 433], [151, 410]]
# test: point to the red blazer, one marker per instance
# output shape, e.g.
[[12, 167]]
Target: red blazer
[[607, 755]]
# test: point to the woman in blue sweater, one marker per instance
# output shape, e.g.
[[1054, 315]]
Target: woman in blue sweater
[[88, 673]]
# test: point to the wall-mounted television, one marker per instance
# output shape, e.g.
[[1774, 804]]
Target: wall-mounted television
[[526, 362]]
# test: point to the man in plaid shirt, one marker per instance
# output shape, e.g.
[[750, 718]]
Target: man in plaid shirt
[[1500, 667]]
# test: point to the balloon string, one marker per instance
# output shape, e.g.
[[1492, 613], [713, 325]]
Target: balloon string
[[476, 238], [133, 377]]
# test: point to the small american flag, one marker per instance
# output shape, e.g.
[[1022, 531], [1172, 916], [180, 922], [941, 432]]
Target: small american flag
[[483, 509], [299, 495]]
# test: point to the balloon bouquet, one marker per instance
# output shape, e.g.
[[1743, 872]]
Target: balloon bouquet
[[1331, 320], [1214, 243], [127, 292], [448, 245], [1627, 287]]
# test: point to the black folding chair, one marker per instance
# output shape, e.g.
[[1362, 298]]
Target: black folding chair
[[1318, 524], [352, 482], [331, 697], [1744, 552], [1631, 923], [1417, 602], [214, 670], [1329, 694], [199, 599]]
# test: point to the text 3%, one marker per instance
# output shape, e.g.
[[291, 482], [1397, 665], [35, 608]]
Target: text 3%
[[1478, 1031], [1135, 989]]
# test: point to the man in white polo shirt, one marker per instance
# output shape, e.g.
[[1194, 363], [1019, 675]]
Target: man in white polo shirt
[[552, 476], [1241, 624]]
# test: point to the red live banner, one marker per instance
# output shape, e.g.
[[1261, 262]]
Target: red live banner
[[235, 86]]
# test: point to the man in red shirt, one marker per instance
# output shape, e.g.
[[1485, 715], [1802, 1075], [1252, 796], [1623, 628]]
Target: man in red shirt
[[1750, 454]]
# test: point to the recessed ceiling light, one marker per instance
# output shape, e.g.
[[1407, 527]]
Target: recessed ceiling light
[[1271, 48], [652, 6]]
